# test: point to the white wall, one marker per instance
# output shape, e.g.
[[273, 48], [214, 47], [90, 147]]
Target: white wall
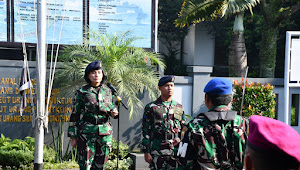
[[199, 46], [204, 47], [183, 95], [189, 46]]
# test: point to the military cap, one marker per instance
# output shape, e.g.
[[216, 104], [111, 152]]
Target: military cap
[[218, 86], [95, 65], [270, 134], [166, 79]]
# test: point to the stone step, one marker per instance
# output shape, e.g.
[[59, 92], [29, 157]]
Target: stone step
[[139, 162]]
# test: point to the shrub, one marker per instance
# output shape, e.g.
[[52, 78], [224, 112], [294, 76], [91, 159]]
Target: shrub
[[293, 113], [31, 142], [16, 158], [49, 154], [124, 164], [20, 153], [62, 165], [4, 141], [123, 150], [259, 99]]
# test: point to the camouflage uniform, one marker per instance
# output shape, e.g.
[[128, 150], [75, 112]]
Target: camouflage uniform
[[162, 123], [209, 137], [91, 111]]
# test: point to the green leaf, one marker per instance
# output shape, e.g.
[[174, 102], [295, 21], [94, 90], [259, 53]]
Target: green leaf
[[131, 70], [195, 11]]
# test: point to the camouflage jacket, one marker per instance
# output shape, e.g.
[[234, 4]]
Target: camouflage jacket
[[162, 123], [209, 137], [91, 111]]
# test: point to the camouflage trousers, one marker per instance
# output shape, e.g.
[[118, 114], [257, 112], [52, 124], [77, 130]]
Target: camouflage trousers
[[93, 151]]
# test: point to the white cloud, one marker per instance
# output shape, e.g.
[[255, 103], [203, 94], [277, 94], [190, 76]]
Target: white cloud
[[73, 4], [144, 4]]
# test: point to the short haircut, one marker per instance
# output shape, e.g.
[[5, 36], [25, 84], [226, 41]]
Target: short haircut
[[217, 100], [271, 160]]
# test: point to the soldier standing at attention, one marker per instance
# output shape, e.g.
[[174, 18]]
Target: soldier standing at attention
[[215, 139], [162, 123], [272, 145], [91, 130]]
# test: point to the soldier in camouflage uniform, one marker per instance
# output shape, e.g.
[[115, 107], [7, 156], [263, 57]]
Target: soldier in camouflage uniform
[[272, 145], [90, 129], [162, 123], [215, 139]]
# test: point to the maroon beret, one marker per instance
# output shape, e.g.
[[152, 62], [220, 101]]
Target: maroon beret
[[270, 134]]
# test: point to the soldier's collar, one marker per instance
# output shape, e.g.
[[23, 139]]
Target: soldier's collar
[[159, 101], [91, 88], [215, 115], [167, 103], [219, 108]]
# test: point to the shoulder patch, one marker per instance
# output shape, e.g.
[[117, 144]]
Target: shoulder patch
[[153, 105], [183, 131]]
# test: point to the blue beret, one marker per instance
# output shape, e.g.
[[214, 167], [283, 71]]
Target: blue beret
[[95, 65], [166, 79], [218, 86]]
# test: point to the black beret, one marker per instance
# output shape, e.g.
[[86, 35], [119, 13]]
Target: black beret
[[95, 65], [165, 80]]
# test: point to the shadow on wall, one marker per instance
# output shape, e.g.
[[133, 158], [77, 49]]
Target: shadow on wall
[[133, 135], [198, 109]]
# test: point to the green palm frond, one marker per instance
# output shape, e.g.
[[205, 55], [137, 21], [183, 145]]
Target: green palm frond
[[129, 69], [236, 6], [195, 11]]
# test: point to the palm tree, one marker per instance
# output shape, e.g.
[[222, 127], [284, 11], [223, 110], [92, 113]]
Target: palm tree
[[274, 12], [131, 70], [196, 11]]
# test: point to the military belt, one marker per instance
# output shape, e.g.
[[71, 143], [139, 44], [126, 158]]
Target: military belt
[[169, 136], [95, 121], [166, 136]]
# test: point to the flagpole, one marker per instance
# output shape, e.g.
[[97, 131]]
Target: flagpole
[[41, 81]]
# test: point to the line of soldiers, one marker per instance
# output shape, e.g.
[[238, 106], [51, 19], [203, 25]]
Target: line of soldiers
[[217, 139]]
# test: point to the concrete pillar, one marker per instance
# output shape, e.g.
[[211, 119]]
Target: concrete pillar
[[199, 46], [201, 76]]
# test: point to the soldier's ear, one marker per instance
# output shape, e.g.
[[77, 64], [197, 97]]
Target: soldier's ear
[[208, 101], [248, 162]]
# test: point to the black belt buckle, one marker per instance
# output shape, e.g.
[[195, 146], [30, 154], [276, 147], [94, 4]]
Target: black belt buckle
[[100, 121], [169, 136], [95, 121]]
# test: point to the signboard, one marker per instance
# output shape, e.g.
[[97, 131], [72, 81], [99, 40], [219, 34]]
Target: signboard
[[64, 21], [14, 125], [291, 79], [295, 60], [3, 21], [115, 16]]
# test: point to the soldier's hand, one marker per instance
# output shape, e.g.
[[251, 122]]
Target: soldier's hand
[[114, 112], [148, 157], [74, 142]]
